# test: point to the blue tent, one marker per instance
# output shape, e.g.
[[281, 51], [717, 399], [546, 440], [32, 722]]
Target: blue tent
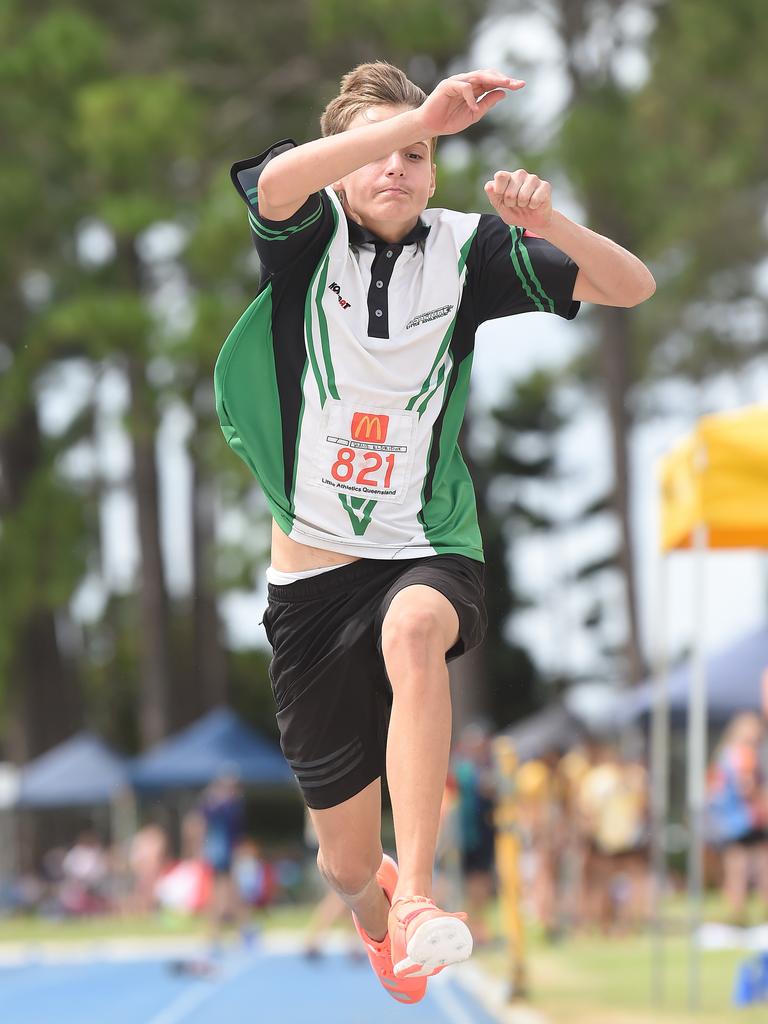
[[219, 743], [553, 728], [79, 772], [733, 683]]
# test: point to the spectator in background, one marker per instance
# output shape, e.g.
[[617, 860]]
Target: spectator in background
[[448, 882], [764, 739], [473, 770], [613, 803], [147, 857], [737, 812], [223, 811], [255, 882], [85, 870], [572, 770], [542, 818]]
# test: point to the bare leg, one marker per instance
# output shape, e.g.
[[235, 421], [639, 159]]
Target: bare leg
[[325, 915], [350, 855], [478, 886], [419, 627], [761, 865], [735, 867], [220, 906]]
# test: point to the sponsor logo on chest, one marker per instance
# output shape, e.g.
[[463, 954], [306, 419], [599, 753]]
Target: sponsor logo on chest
[[369, 426], [336, 289], [425, 318]]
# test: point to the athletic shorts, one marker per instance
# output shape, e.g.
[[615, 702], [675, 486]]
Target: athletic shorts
[[328, 677]]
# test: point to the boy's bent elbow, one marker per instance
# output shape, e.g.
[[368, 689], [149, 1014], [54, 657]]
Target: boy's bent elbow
[[646, 289], [274, 201], [640, 291], [267, 197]]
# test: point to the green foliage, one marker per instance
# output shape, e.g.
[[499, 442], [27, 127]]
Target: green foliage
[[43, 550], [133, 132], [410, 26]]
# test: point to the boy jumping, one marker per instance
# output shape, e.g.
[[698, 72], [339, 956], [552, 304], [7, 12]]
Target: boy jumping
[[343, 387]]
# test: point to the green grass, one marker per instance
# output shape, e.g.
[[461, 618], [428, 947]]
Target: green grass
[[608, 981], [35, 929]]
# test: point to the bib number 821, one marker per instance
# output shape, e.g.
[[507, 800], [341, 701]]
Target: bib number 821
[[343, 468]]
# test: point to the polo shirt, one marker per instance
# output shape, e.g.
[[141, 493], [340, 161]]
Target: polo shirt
[[344, 384]]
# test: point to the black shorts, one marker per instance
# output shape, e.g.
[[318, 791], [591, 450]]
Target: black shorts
[[328, 677], [754, 837]]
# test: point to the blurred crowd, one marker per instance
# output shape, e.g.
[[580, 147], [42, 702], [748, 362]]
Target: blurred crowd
[[583, 821], [581, 817], [212, 866], [585, 828]]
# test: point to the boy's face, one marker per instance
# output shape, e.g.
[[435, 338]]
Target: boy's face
[[389, 194]]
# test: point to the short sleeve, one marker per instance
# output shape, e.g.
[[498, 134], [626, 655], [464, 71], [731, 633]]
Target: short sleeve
[[512, 271], [280, 243]]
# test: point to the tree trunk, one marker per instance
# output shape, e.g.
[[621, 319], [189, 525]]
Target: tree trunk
[[155, 717], [46, 708], [210, 663], [45, 704], [615, 359], [573, 22], [156, 711]]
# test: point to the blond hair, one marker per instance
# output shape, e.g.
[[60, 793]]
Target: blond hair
[[377, 83]]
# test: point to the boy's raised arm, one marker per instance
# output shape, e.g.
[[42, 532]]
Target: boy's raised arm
[[455, 103]]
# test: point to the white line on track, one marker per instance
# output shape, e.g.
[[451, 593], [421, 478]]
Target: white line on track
[[448, 1003], [189, 1001]]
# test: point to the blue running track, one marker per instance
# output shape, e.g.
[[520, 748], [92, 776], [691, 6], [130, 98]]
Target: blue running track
[[258, 988]]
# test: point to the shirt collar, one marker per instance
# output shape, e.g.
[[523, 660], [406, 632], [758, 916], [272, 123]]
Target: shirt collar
[[358, 235]]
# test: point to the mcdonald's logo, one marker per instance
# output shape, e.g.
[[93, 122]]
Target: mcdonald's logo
[[369, 426]]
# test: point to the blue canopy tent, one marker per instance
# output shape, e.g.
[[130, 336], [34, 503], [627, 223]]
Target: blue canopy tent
[[81, 771], [552, 729], [733, 683], [217, 744]]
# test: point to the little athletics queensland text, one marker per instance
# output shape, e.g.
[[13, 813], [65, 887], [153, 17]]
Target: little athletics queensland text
[[381, 492]]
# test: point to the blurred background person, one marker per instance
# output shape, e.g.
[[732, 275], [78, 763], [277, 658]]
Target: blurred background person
[[613, 804], [448, 872], [222, 809], [542, 818], [737, 810], [473, 770], [573, 769], [328, 912], [85, 870], [255, 882], [147, 860]]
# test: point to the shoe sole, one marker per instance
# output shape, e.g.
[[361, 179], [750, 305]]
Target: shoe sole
[[435, 944]]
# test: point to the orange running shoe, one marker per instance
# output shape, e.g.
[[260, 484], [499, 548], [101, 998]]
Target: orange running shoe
[[404, 990], [438, 941]]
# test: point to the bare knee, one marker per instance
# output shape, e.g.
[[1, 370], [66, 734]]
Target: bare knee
[[412, 632], [345, 873]]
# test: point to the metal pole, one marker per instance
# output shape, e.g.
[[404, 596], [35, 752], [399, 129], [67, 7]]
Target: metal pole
[[697, 767], [659, 789]]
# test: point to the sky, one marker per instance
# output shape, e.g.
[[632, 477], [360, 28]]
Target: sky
[[737, 583]]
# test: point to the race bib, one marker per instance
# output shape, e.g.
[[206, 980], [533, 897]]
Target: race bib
[[365, 453]]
